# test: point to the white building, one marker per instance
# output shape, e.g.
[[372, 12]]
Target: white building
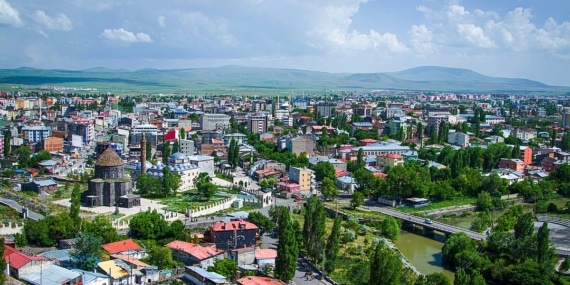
[[204, 162], [181, 164], [459, 139], [374, 150]]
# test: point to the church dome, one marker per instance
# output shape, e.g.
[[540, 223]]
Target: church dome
[[178, 156], [109, 158]]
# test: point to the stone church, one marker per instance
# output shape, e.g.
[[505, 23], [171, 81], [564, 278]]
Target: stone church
[[110, 187]]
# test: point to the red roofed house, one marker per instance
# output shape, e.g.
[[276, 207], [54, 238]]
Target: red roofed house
[[259, 280], [21, 264], [389, 160], [194, 254], [233, 234], [125, 247], [265, 257]]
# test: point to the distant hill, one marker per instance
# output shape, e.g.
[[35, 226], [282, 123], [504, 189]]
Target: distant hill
[[425, 78]]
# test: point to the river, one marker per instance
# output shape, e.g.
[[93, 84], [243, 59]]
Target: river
[[423, 252]]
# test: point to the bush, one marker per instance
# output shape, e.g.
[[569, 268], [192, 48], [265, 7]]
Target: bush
[[541, 206], [365, 230], [348, 236], [552, 208]]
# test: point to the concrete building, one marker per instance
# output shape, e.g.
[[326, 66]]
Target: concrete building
[[566, 117], [211, 122], [82, 127], [194, 254], [204, 162], [435, 121], [300, 144], [36, 133], [325, 109], [237, 137], [257, 124], [382, 148], [302, 176], [181, 164], [53, 144], [186, 146], [459, 139]]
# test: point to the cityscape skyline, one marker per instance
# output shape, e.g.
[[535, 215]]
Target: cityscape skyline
[[514, 38]]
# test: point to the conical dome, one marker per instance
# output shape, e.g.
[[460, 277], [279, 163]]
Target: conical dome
[[109, 158]]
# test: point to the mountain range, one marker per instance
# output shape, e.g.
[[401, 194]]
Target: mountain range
[[424, 78]]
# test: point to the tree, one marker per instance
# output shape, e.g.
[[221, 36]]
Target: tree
[[287, 248], [314, 228], [161, 256], [484, 201], [324, 169], [332, 247], [165, 152], [24, 154], [225, 266], [261, 221], [458, 250], [385, 266], [177, 230], [546, 255], [357, 200], [182, 133], [85, 252], [175, 147], [204, 185], [391, 228], [328, 188], [2, 262], [233, 156], [170, 182], [437, 278], [7, 143], [101, 226], [148, 225], [148, 149], [524, 227], [75, 205], [268, 182]]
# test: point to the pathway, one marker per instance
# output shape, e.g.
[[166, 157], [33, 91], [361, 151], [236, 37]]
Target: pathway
[[14, 205]]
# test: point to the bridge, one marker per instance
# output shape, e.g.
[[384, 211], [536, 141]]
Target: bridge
[[434, 226]]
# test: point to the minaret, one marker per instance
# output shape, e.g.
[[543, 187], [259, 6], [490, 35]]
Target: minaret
[[143, 154]]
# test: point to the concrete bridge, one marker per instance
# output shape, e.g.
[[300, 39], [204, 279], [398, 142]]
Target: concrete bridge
[[412, 220]]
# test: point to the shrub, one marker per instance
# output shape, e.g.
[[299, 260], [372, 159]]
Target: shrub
[[552, 208]]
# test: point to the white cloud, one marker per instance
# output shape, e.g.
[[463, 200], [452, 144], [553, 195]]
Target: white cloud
[[196, 25], [421, 39], [331, 30], [59, 22], [160, 21], [122, 35], [474, 34], [8, 15]]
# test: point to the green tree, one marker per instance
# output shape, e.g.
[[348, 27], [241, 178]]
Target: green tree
[[204, 185], [226, 267], [161, 256], [323, 170], [24, 154], [391, 228], [101, 226], [268, 182], [261, 221], [75, 205], [332, 247], [314, 228], [385, 266], [329, 189], [524, 226], [507, 220], [233, 156], [437, 278], [287, 248], [357, 200], [175, 147], [148, 149], [178, 231], [484, 201], [85, 252], [148, 225], [166, 152], [149, 186], [2, 262], [182, 134], [546, 254], [458, 250], [7, 143], [170, 182]]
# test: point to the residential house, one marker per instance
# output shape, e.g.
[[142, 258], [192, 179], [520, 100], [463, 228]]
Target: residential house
[[92, 278], [300, 144], [526, 155], [287, 187], [259, 280], [265, 257], [361, 126], [125, 247], [514, 164], [459, 139], [200, 276], [53, 144], [233, 234], [52, 275], [195, 254], [374, 150], [20, 264], [40, 186], [389, 160], [303, 176], [118, 271], [346, 183]]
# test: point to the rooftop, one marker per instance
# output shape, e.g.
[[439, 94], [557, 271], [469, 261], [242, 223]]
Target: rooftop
[[233, 225], [259, 280], [121, 246], [197, 251], [109, 158]]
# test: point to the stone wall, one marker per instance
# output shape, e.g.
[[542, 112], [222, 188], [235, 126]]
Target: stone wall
[[10, 228], [212, 208]]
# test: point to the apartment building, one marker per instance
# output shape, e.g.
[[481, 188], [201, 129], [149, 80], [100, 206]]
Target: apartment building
[[302, 176]]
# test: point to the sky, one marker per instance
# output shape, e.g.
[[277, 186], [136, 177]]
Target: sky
[[506, 38]]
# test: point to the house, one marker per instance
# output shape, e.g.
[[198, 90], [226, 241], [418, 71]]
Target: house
[[233, 234], [200, 276], [389, 160], [514, 164], [526, 155], [130, 260], [346, 183], [117, 271], [92, 278], [288, 186], [259, 280], [125, 247], [194, 254], [40, 186], [265, 257], [303, 176], [20, 264], [52, 275]]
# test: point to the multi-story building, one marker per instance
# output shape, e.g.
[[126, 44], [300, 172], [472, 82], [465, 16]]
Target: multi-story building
[[389, 160], [459, 139], [302, 176], [186, 146], [391, 112], [566, 117], [526, 155], [514, 164], [257, 124], [436, 121], [210, 122], [180, 164], [524, 134], [53, 144], [36, 133], [363, 110], [374, 150], [301, 103], [238, 137], [325, 109], [300, 144], [258, 106], [82, 127], [102, 146]]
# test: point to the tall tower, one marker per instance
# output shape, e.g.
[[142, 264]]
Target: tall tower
[[143, 154]]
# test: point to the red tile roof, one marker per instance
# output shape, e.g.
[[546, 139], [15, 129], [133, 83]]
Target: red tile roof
[[259, 280], [121, 246], [380, 174], [267, 253], [233, 225], [199, 252], [395, 156], [17, 259], [340, 173]]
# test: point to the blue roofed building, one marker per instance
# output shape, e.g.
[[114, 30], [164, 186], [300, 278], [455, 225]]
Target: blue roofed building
[[201, 276]]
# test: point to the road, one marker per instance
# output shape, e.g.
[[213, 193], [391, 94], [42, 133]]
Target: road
[[421, 221], [14, 205]]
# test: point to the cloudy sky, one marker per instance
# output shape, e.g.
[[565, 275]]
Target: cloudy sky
[[510, 38]]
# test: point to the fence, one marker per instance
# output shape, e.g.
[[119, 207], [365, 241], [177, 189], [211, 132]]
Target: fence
[[211, 208], [10, 228]]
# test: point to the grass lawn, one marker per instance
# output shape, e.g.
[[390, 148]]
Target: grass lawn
[[9, 215], [442, 204]]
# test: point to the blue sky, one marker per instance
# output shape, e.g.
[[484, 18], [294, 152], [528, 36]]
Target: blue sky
[[509, 38]]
